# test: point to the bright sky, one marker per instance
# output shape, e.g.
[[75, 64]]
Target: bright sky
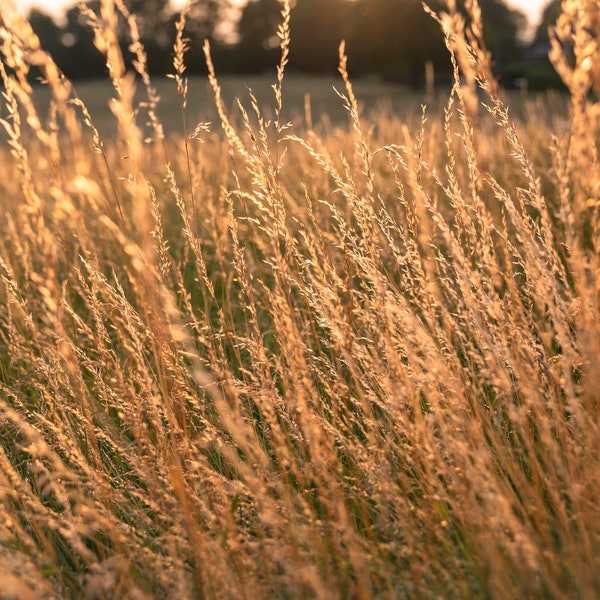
[[532, 8]]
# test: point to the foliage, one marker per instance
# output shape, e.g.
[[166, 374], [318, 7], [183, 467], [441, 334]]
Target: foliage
[[501, 27], [397, 39], [389, 38], [550, 14], [257, 29]]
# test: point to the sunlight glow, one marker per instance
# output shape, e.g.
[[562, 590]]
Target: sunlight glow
[[532, 8]]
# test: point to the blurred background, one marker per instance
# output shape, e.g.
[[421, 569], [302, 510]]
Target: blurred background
[[387, 40]]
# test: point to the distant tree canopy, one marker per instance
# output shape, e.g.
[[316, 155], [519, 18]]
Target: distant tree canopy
[[396, 39], [317, 29], [258, 43], [72, 43], [393, 38], [502, 26], [550, 15]]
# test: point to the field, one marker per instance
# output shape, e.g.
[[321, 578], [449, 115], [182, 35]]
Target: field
[[333, 346], [326, 107]]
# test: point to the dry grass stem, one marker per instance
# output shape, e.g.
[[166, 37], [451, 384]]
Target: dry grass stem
[[346, 361]]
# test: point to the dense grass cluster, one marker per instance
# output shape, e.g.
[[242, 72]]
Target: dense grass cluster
[[263, 360]]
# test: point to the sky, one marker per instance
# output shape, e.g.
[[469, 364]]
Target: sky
[[532, 8]]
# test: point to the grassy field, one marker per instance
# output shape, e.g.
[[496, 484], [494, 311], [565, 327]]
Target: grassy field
[[299, 354], [325, 104]]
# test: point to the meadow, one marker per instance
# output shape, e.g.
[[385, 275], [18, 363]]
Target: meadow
[[316, 348], [326, 109]]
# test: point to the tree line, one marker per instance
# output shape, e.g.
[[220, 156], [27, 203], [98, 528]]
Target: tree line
[[390, 38]]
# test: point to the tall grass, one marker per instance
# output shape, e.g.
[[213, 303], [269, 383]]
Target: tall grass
[[258, 360]]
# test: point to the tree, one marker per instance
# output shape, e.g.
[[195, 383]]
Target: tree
[[396, 39], [70, 45], [151, 14], [155, 20], [502, 27], [317, 27], [78, 57], [204, 18], [550, 14], [258, 43], [46, 29], [209, 20]]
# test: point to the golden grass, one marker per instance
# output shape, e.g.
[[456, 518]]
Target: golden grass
[[293, 361]]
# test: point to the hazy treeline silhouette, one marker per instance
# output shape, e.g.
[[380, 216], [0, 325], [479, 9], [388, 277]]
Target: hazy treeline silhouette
[[392, 38]]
